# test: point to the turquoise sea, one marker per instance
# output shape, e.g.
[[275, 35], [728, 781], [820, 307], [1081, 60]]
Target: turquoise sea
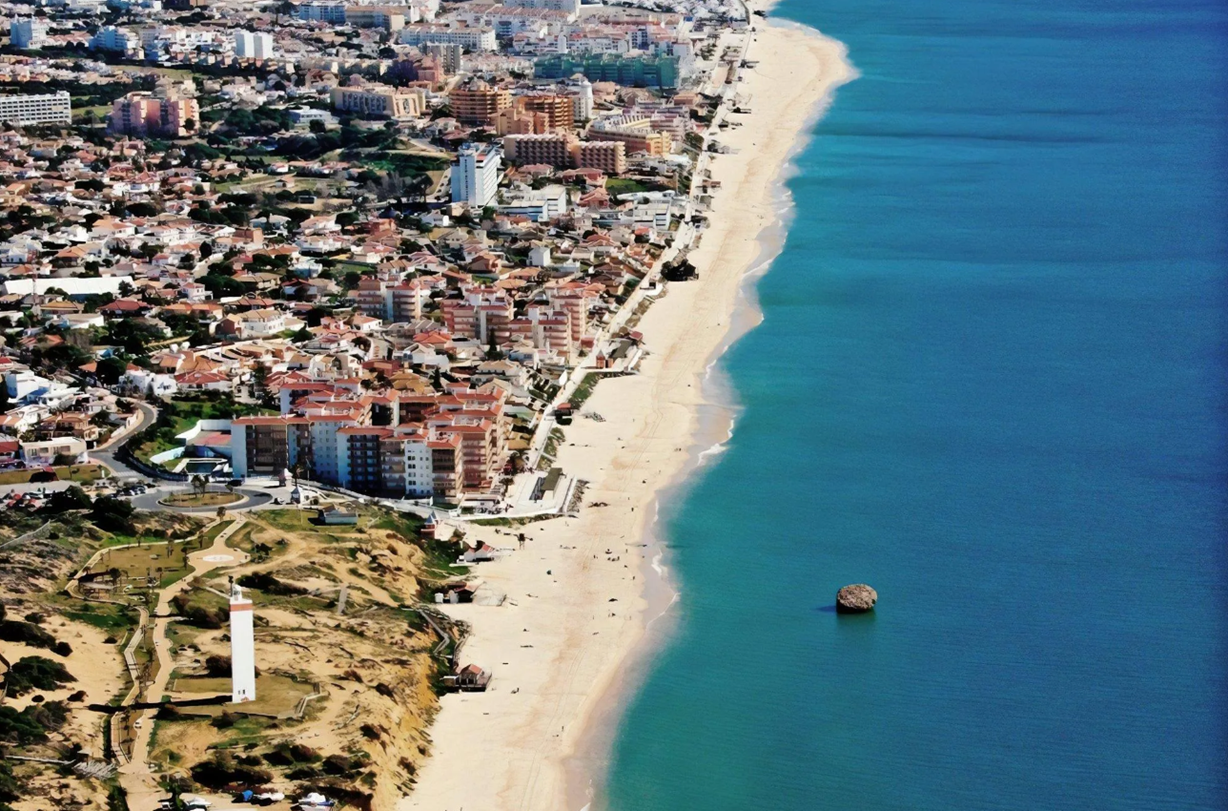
[[990, 382]]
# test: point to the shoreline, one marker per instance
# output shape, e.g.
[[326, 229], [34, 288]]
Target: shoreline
[[567, 653]]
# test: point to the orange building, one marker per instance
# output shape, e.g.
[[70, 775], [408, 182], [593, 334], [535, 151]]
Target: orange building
[[476, 102]]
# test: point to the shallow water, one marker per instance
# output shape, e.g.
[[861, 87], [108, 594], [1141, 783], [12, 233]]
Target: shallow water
[[990, 382]]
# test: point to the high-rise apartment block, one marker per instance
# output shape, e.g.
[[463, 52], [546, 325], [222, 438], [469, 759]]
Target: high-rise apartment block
[[472, 39], [450, 55], [143, 114], [563, 149], [476, 102], [552, 149], [475, 175], [557, 109], [609, 157], [400, 444], [328, 12], [249, 45], [47, 108], [636, 133], [28, 32]]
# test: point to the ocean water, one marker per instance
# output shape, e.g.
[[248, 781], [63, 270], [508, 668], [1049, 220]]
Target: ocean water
[[990, 382]]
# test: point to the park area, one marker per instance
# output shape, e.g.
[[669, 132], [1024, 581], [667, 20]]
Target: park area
[[65, 473], [219, 498]]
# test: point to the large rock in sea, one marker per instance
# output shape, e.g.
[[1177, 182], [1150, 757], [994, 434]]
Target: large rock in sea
[[856, 599]]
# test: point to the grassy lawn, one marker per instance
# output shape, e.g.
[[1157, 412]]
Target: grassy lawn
[[111, 618], [210, 535], [291, 519], [167, 562], [74, 473], [100, 111], [215, 499], [242, 540], [275, 695], [404, 524], [624, 185]]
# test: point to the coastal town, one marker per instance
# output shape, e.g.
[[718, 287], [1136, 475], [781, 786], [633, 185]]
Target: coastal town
[[307, 310]]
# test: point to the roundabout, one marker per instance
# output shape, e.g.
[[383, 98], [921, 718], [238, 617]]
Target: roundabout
[[189, 500], [185, 500]]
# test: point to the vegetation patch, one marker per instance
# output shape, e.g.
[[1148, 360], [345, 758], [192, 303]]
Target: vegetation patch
[[213, 499]]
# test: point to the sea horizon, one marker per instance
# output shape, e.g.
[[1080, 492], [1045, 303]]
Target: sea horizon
[[707, 745]]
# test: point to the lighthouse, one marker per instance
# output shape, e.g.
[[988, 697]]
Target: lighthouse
[[242, 647]]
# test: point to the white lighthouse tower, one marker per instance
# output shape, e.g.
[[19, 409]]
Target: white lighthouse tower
[[242, 647]]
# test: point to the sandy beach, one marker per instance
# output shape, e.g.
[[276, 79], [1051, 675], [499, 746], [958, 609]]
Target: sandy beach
[[583, 590]]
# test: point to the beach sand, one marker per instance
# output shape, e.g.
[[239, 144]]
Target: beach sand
[[583, 591]]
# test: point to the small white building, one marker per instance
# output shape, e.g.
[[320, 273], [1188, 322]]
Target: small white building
[[46, 452], [539, 205]]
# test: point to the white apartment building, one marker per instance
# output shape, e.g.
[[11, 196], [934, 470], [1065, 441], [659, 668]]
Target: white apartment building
[[475, 175], [571, 7], [28, 32], [110, 38], [474, 39], [419, 469], [326, 449], [539, 205], [581, 92], [322, 12], [249, 45], [450, 55], [47, 108]]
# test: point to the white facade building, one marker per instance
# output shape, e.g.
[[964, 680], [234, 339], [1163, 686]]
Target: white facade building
[[242, 648], [110, 38], [28, 32], [571, 7], [51, 451], [581, 92], [539, 205], [475, 175], [323, 12], [48, 108], [474, 39], [419, 469], [250, 45]]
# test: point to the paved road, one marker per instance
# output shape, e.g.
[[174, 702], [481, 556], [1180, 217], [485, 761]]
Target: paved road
[[149, 501], [106, 453]]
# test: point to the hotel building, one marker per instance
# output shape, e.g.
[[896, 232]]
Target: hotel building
[[47, 108]]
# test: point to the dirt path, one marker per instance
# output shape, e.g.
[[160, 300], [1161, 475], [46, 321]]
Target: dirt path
[[136, 777]]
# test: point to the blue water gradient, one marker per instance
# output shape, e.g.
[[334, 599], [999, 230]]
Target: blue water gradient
[[990, 383]]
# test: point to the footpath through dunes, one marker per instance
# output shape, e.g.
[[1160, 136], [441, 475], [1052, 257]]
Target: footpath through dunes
[[577, 606], [346, 679]]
